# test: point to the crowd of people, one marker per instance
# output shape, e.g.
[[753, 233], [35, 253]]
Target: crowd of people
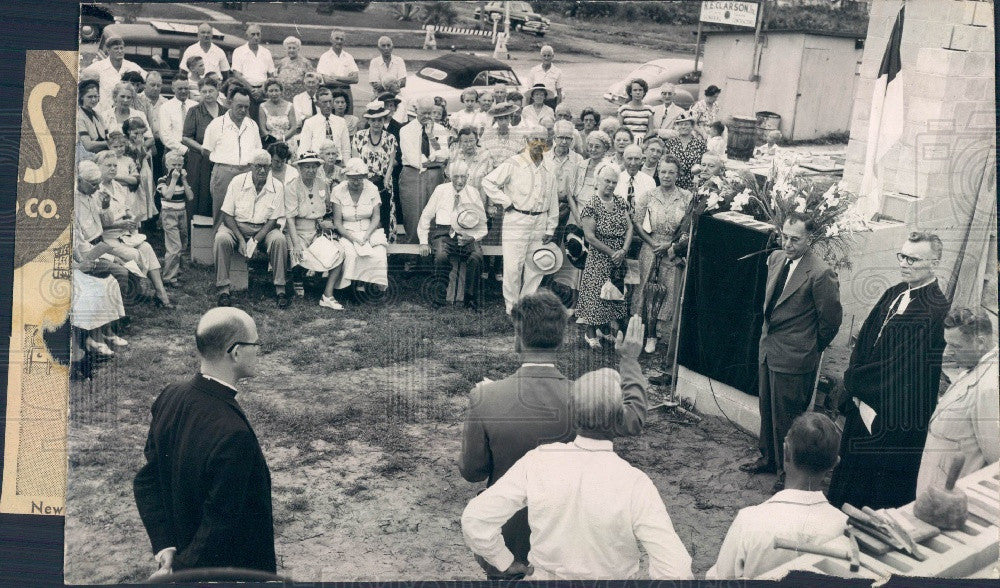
[[273, 154]]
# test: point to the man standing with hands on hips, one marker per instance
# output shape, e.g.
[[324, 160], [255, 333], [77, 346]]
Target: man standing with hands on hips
[[524, 186], [802, 314]]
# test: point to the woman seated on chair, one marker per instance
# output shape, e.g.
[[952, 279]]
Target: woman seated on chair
[[356, 208], [121, 230], [452, 225]]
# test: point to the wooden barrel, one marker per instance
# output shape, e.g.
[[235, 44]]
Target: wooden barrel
[[742, 135], [767, 122]]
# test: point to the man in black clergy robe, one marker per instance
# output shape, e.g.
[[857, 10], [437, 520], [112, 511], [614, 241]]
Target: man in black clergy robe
[[204, 494], [895, 369]]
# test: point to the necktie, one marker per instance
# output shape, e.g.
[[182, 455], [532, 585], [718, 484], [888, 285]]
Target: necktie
[[329, 129], [425, 144], [779, 286], [631, 192]]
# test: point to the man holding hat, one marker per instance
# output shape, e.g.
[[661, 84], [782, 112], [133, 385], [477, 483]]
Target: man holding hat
[[524, 186], [109, 71], [452, 225], [253, 204]]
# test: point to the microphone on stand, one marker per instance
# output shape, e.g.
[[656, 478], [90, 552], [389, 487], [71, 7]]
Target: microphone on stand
[[755, 253]]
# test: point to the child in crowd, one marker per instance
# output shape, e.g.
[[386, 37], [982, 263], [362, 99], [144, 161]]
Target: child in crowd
[[468, 116], [716, 142], [128, 171], [485, 104], [174, 192], [770, 149]]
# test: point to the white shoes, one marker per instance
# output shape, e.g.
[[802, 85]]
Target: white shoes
[[330, 302], [99, 349], [116, 340], [650, 345]]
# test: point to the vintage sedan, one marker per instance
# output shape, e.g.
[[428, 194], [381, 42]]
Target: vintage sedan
[[448, 75], [679, 72]]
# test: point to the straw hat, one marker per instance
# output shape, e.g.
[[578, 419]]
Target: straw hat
[[309, 157], [549, 94], [545, 259], [355, 166], [467, 219], [685, 116], [576, 246], [502, 109], [375, 109]]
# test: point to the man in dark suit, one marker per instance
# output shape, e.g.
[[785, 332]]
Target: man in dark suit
[[892, 384], [802, 315], [204, 494], [509, 418]]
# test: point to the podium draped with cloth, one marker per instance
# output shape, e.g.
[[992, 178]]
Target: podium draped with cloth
[[724, 300]]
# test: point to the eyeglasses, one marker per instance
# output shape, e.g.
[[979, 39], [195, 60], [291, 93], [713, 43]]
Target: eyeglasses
[[909, 259], [233, 346]]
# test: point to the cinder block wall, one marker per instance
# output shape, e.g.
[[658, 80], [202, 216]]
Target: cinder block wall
[[938, 166]]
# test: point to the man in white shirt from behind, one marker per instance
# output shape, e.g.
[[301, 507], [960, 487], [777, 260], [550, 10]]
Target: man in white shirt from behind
[[800, 512], [589, 510]]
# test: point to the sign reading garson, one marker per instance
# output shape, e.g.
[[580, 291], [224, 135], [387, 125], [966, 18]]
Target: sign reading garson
[[740, 14]]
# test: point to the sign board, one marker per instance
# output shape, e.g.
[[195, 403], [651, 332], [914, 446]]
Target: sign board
[[730, 12]]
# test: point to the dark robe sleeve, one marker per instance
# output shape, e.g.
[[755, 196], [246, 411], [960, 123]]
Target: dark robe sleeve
[[476, 460], [150, 498]]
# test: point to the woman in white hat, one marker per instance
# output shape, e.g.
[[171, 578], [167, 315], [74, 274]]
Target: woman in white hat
[[452, 225], [306, 199], [536, 109], [606, 223], [356, 212], [377, 148]]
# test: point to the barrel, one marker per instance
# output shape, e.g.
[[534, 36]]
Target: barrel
[[767, 122], [742, 131]]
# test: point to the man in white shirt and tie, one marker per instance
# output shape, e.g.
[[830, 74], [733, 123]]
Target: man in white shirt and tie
[[524, 186], [231, 139], [633, 181], [304, 102], [172, 115], [386, 72], [423, 145], [325, 125], [337, 67], [214, 56], [252, 64], [665, 114], [588, 509]]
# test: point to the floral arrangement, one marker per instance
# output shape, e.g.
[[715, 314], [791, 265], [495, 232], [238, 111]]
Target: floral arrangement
[[785, 192]]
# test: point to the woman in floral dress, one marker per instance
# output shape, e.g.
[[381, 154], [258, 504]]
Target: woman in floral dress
[[687, 148], [606, 223], [377, 148], [660, 210], [292, 68]]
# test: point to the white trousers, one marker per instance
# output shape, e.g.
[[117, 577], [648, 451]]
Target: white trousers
[[521, 232]]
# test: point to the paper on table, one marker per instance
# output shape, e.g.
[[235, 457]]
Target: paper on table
[[868, 414]]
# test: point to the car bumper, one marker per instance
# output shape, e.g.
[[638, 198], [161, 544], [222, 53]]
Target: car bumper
[[614, 98], [533, 26]]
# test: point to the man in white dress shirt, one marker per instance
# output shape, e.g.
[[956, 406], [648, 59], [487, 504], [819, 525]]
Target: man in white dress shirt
[[214, 56], [325, 125], [548, 74], [108, 71], [800, 512], [524, 186], [232, 139], [665, 114], [252, 64], [566, 165], [254, 202], [337, 67], [172, 115], [966, 421], [588, 509], [423, 146], [633, 181], [304, 102], [386, 72]]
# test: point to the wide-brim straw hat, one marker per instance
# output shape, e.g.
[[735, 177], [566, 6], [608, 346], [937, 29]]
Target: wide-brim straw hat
[[356, 166], [545, 259], [308, 157], [685, 116], [549, 93], [502, 109], [468, 218], [375, 109]]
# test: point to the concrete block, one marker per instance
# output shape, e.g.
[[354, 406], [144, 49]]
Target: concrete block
[[933, 34], [979, 88], [969, 38], [939, 61], [985, 40], [202, 238], [978, 63], [856, 151], [976, 13], [900, 206], [711, 397], [975, 115], [934, 185], [238, 273]]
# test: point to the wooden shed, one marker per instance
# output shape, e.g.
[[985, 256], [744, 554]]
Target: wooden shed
[[806, 77]]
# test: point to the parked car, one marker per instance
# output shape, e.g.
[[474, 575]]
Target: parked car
[[679, 72], [328, 6], [522, 17], [93, 19], [446, 76], [158, 46]]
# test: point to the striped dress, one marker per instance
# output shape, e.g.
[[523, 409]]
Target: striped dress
[[636, 119]]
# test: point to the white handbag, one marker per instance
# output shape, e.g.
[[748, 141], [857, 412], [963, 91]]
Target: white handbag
[[323, 254]]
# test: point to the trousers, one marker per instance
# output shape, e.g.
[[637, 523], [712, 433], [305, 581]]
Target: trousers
[[782, 398], [226, 243], [521, 232]]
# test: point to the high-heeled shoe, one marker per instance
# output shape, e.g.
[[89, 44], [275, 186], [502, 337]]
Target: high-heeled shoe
[[99, 349]]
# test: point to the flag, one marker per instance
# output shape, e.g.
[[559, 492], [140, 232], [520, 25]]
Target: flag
[[886, 120]]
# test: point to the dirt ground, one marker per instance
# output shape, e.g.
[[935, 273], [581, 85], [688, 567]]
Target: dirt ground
[[359, 414]]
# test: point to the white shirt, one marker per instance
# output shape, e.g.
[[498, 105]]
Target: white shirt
[[441, 207], [302, 103], [526, 186], [215, 58], [476, 119], [254, 67], [382, 74], [965, 422], [172, 115], [642, 183], [340, 66], [533, 118], [246, 205], [551, 78], [314, 132], [409, 144], [230, 144], [107, 76], [748, 549], [588, 510], [791, 270]]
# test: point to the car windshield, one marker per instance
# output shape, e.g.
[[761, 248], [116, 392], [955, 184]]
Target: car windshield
[[496, 76], [648, 72]]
